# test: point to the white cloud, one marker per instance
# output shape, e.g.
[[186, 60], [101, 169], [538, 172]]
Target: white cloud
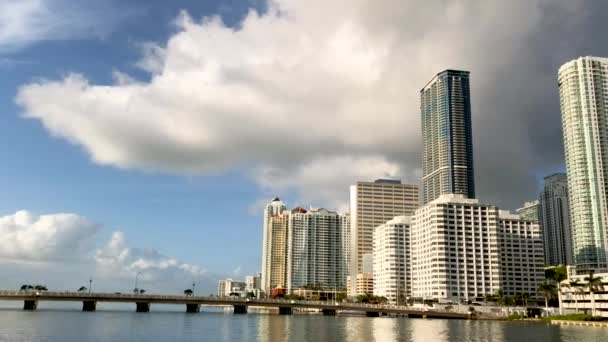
[[117, 259], [46, 238], [31, 246], [23, 22], [310, 81]]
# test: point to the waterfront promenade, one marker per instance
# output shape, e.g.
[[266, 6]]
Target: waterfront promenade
[[193, 303]]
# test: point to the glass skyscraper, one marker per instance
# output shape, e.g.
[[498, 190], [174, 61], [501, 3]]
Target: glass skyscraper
[[554, 217], [447, 156], [583, 90]]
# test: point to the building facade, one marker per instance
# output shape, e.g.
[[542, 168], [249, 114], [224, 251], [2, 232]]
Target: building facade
[[391, 260], [315, 255], [274, 208], [447, 139], [274, 275], [554, 215], [226, 287], [529, 211], [583, 89], [373, 204], [463, 250], [521, 252], [455, 254]]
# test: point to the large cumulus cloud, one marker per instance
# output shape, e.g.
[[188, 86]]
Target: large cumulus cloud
[[308, 81]]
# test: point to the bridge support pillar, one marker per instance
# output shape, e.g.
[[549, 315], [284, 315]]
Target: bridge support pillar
[[328, 312], [30, 305], [89, 305], [193, 308], [285, 310], [240, 309], [372, 314], [415, 315], [142, 307]]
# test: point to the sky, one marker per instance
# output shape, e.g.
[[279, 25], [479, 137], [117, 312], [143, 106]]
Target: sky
[[146, 136]]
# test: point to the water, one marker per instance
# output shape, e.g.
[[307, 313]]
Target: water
[[74, 326]]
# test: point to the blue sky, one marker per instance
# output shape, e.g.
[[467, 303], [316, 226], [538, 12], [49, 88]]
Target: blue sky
[[206, 220], [162, 131]]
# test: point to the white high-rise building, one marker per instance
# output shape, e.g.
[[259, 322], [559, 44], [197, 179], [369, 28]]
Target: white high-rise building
[[465, 250], [391, 260], [455, 253], [583, 90], [315, 254], [372, 204], [522, 259]]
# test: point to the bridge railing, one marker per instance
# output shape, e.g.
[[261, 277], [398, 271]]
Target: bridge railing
[[211, 300]]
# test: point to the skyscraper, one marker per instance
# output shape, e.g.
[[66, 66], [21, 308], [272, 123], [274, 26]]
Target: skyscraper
[[583, 90], [274, 240], [554, 217], [529, 211], [447, 155], [315, 255], [373, 204]]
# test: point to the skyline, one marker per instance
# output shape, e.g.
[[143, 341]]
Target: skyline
[[167, 203]]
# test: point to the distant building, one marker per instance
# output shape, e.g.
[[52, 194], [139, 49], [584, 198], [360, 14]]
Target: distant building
[[252, 283], [447, 142], [522, 259], [315, 255], [273, 244], [554, 215], [372, 204], [584, 107], [529, 211], [463, 250], [392, 271], [228, 286]]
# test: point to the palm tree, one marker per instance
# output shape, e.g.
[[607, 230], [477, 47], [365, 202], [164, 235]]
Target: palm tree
[[574, 286], [40, 288], [188, 292], [548, 291], [142, 291], [82, 289], [23, 287], [594, 284], [500, 296]]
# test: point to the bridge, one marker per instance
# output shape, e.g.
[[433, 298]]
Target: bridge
[[193, 303]]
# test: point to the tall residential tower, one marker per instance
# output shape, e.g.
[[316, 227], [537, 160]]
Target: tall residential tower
[[447, 155], [554, 217], [583, 90]]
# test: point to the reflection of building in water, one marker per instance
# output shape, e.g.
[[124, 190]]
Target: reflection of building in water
[[385, 329], [435, 330], [273, 328]]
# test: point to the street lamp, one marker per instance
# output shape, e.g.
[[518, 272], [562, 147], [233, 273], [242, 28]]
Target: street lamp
[[135, 289], [90, 284], [193, 285]]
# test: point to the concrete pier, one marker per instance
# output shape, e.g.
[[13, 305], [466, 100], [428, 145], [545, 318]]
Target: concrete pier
[[142, 307], [285, 310], [372, 314], [193, 308], [240, 309], [30, 305], [89, 305]]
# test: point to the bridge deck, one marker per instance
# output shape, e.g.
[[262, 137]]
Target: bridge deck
[[223, 301]]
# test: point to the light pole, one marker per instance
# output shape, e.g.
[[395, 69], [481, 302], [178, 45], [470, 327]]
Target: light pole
[[90, 284], [193, 285], [135, 289]]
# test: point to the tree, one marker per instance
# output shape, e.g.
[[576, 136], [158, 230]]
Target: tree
[[24, 287], [82, 289], [594, 284], [548, 291], [40, 288], [142, 291], [188, 292], [500, 296]]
